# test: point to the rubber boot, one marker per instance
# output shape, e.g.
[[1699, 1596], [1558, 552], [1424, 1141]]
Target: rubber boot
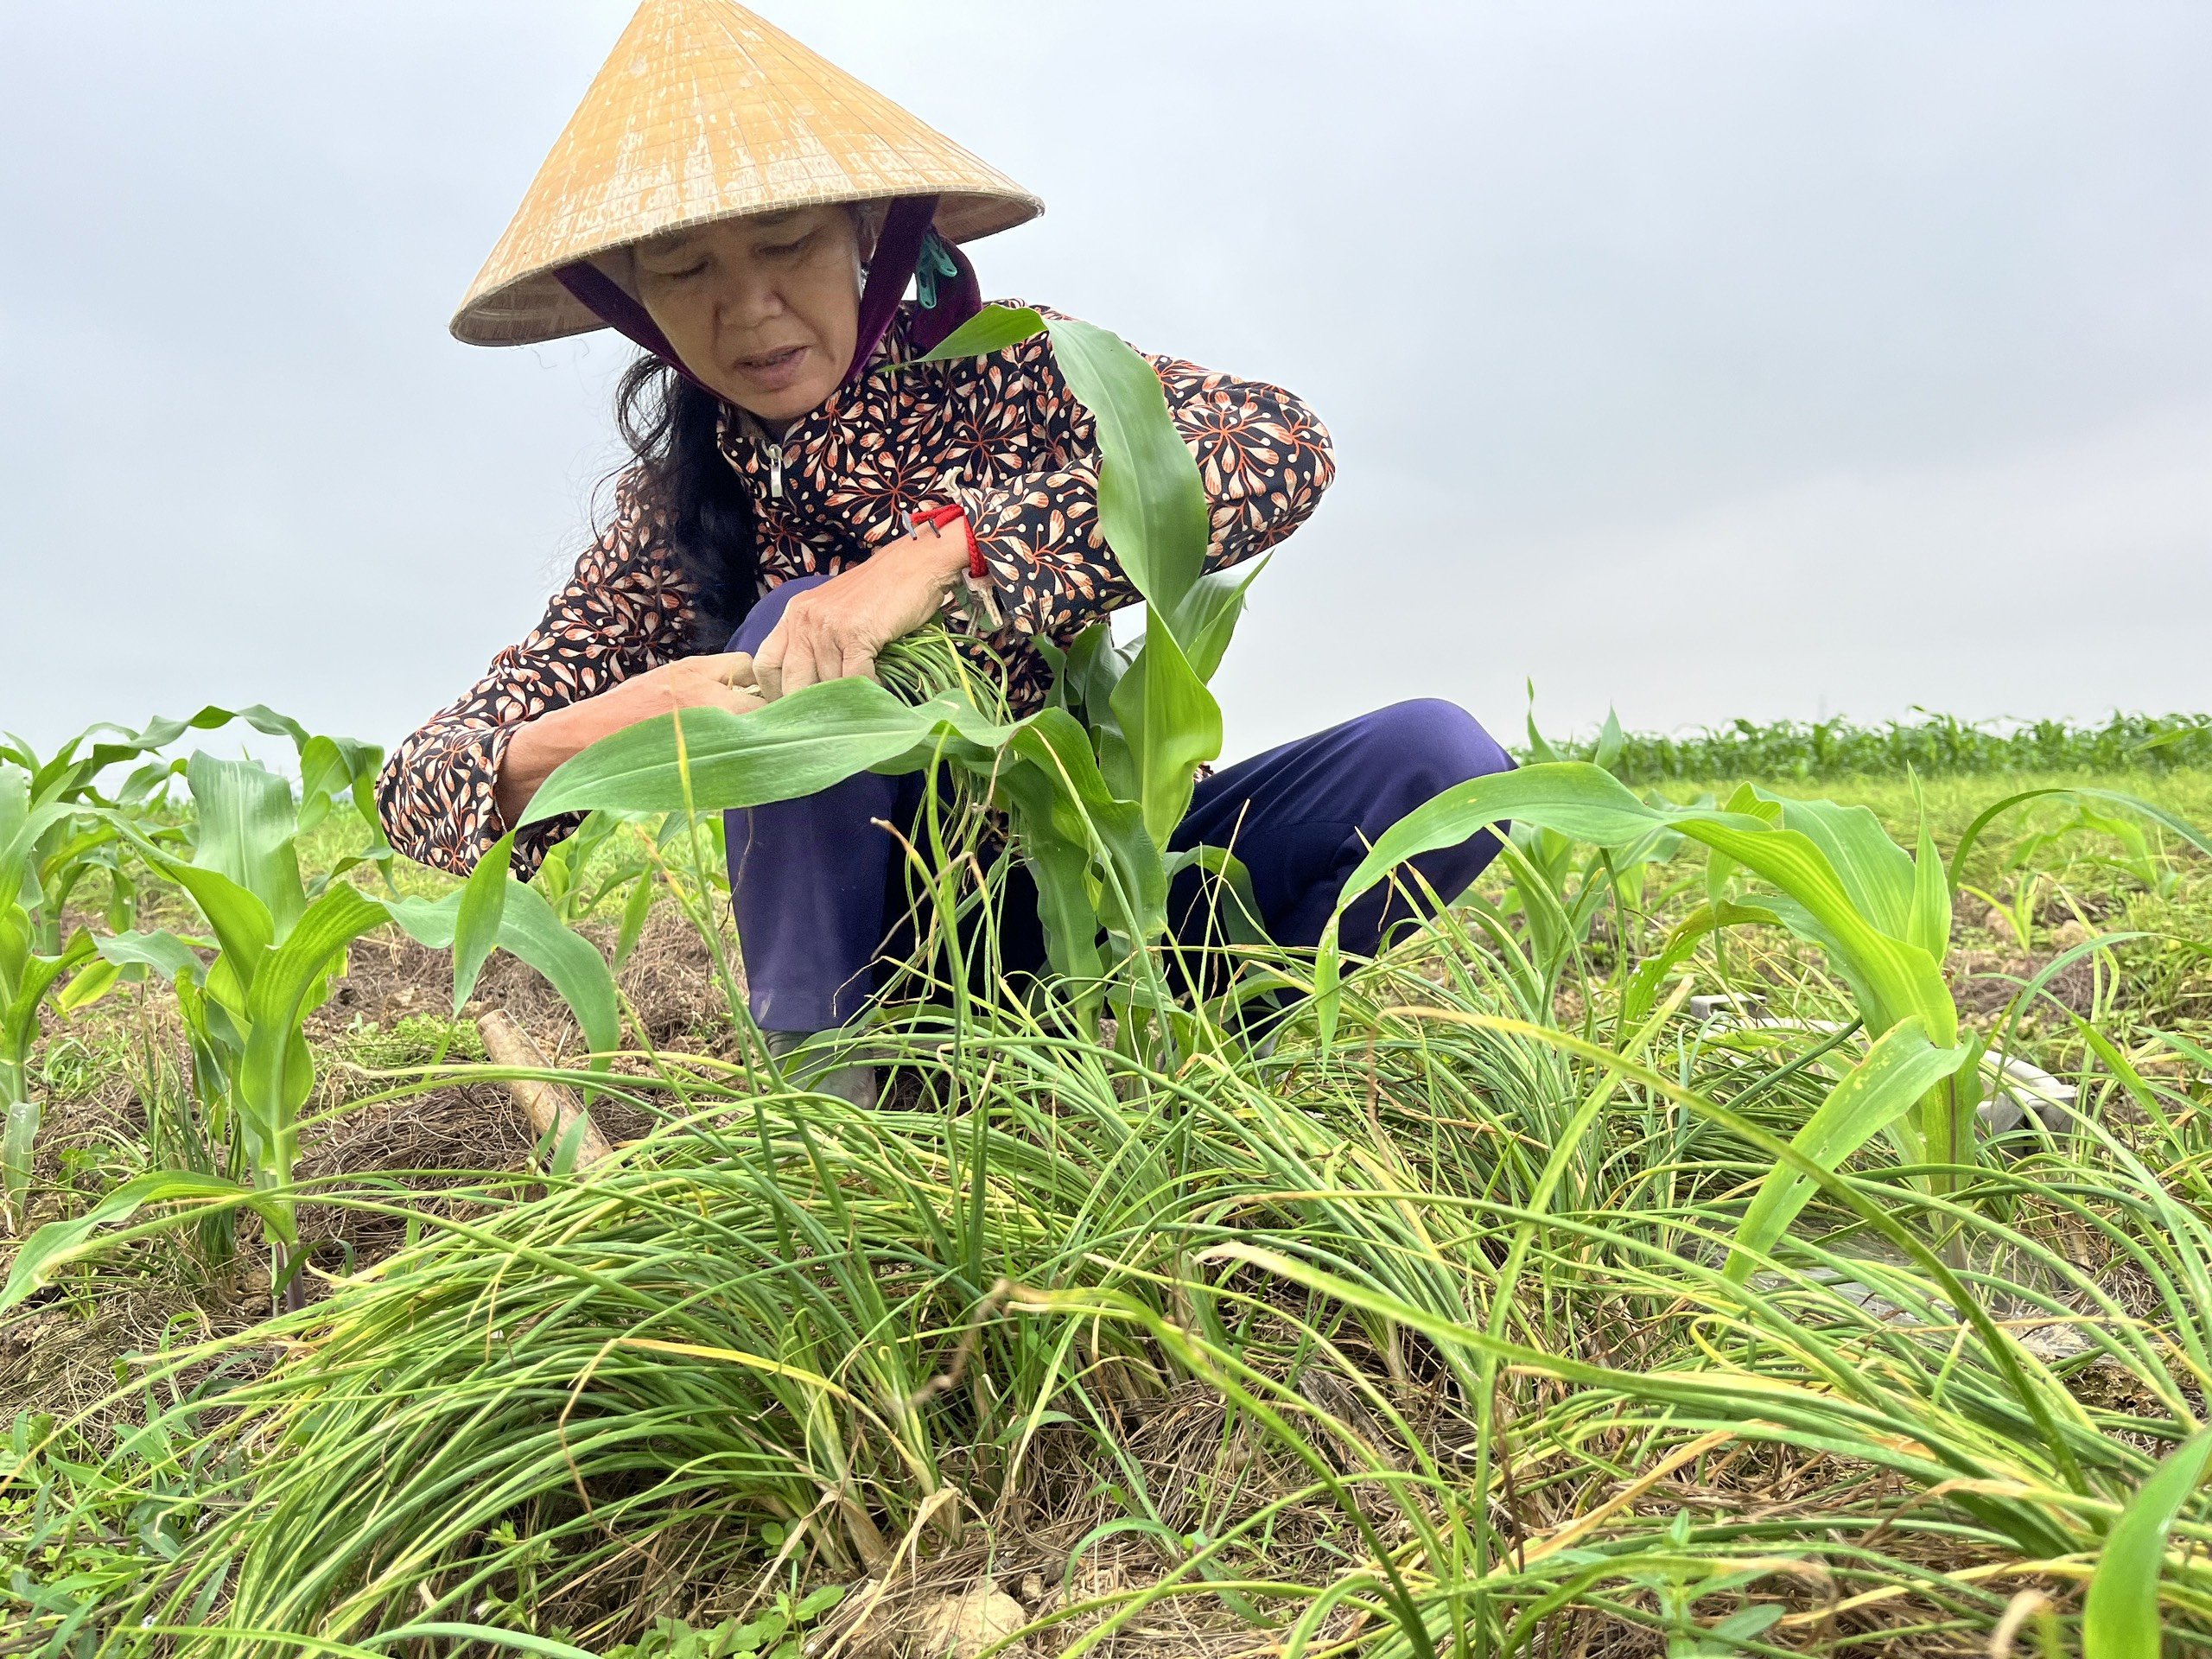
[[856, 1084]]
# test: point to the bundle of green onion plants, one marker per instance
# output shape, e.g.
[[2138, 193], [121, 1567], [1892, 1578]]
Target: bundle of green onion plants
[[1448, 1299]]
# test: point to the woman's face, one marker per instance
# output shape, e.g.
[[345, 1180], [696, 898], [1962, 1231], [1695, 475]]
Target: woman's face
[[764, 310]]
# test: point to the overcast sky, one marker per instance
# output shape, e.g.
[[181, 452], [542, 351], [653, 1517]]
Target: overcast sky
[[1695, 359]]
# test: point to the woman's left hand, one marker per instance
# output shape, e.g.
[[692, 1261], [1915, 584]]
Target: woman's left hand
[[835, 631]]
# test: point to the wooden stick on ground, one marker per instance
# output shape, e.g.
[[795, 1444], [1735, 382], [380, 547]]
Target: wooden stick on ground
[[550, 1108]]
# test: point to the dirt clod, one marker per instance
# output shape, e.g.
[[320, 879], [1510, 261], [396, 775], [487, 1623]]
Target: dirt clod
[[961, 1626]]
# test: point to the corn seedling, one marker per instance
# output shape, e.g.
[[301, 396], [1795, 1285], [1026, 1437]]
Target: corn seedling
[[278, 942]]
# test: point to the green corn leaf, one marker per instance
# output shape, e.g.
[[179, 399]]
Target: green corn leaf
[[1174, 727], [331, 768], [1749, 801], [1572, 797], [246, 823], [68, 777], [28, 984], [1540, 747], [1238, 917], [1083, 812], [1930, 925], [90, 847], [58, 1242], [1895, 980], [1610, 742], [429, 922], [243, 931], [277, 1072], [529, 928], [15, 930], [991, 329], [635, 910], [1874, 872], [159, 733], [2121, 1618], [88, 987], [165, 953], [797, 746], [1900, 1067], [1152, 504], [18, 852], [18, 1140], [321, 770], [533, 930], [1095, 667], [335, 769], [32, 978], [1643, 985], [483, 908], [1210, 614], [15, 802], [1060, 862]]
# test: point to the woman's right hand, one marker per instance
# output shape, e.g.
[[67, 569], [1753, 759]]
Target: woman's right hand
[[725, 680]]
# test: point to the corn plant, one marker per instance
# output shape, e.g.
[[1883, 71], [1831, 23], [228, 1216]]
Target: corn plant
[[278, 942], [81, 833], [1094, 784], [45, 852], [27, 977], [50, 839], [57, 828], [1833, 878]]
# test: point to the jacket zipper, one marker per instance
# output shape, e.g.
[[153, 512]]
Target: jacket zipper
[[760, 434]]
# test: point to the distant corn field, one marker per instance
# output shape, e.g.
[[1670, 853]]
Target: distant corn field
[[1933, 746]]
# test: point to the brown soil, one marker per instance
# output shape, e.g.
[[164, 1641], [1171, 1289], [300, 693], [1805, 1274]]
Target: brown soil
[[1986, 981]]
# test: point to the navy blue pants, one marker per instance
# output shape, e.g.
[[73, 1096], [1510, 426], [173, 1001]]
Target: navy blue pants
[[817, 891]]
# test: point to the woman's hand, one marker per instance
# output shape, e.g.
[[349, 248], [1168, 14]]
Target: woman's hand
[[835, 631], [721, 681]]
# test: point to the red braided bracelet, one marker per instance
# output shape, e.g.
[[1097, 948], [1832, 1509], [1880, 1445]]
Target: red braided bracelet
[[937, 517]]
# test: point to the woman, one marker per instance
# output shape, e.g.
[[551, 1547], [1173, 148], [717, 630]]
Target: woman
[[752, 216]]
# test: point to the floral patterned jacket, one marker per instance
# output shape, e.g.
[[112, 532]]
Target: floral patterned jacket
[[1000, 436]]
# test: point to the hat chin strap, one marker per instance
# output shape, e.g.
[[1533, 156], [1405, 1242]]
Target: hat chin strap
[[906, 231], [608, 301], [906, 228]]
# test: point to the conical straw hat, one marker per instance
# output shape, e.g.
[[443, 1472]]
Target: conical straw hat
[[705, 112]]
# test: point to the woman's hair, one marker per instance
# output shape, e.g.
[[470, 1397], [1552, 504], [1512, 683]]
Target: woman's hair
[[681, 476]]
